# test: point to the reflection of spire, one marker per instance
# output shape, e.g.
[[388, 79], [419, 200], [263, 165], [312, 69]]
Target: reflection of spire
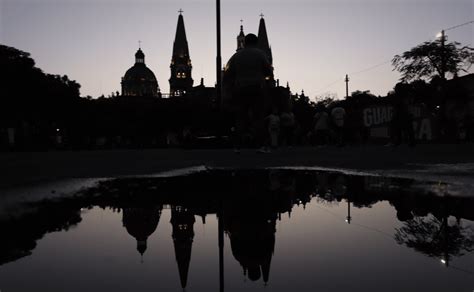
[[141, 223], [183, 234], [266, 269]]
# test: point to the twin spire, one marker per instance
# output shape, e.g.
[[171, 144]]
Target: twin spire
[[181, 80], [180, 45], [263, 43], [181, 68]]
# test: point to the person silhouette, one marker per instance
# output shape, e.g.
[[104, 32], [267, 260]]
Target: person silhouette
[[245, 75]]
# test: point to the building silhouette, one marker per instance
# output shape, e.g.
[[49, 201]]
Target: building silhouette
[[182, 221], [141, 223], [241, 38], [181, 80], [264, 45], [139, 80]]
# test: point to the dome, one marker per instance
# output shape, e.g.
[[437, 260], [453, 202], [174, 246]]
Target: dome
[[139, 80], [139, 72]]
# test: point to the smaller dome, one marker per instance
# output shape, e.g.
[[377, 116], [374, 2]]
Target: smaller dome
[[139, 80], [139, 54]]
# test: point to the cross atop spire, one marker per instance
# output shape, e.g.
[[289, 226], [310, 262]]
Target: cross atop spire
[[261, 15], [180, 11], [139, 44]]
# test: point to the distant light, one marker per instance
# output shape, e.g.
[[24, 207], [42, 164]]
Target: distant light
[[443, 261], [439, 34], [57, 130], [437, 107]]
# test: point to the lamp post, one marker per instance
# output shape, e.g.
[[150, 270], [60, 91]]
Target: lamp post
[[347, 85], [218, 57], [218, 100]]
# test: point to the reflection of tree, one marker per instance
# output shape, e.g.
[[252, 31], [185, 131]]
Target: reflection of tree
[[23, 232], [435, 237]]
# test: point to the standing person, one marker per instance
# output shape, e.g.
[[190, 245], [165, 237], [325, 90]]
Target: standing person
[[287, 121], [244, 76], [338, 115], [321, 127], [402, 124], [273, 129]]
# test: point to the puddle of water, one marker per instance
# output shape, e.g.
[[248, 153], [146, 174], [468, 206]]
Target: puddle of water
[[282, 229]]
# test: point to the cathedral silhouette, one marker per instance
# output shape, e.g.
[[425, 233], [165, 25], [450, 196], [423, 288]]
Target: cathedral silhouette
[[139, 80]]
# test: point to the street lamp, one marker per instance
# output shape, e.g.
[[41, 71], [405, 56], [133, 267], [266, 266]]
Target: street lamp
[[218, 57]]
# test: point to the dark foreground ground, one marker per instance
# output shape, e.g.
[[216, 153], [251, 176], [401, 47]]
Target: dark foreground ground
[[23, 168]]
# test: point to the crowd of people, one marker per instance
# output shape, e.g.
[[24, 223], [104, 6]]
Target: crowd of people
[[260, 122]]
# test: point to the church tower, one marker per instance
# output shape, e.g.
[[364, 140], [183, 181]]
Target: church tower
[[182, 221], [241, 38], [181, 80], [264, 45]]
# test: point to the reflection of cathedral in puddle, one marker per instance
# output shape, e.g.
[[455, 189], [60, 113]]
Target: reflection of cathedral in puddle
[[438, 227], [251, 230], [250, 210], [141, 223], [252, 237], [252, 243]]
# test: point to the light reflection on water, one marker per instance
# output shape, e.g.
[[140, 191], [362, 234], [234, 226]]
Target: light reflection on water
[[284, 231]]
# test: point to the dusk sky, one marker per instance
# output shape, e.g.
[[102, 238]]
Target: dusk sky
[[315, 43]]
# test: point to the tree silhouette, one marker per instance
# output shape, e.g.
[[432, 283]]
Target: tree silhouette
[[435, 238], [23, 80], [433, 58]]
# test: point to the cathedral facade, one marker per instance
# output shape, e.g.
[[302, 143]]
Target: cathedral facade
[[139, 80]]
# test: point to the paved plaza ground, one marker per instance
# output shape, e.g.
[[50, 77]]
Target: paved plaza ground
[[25, 168]]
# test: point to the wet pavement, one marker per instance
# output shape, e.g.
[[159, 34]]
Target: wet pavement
[[25, 168]]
